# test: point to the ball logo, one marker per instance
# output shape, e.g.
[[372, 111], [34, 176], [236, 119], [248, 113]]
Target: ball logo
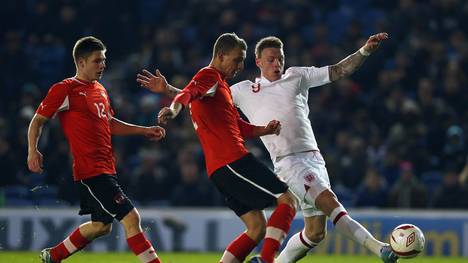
[[410, 239]]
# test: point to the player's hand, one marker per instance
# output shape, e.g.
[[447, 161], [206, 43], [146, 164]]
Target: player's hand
[[155, 83], [165, 114], [155, 133], [273, 127], [35, 160], [374, 41]]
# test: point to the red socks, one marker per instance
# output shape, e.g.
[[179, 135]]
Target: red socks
[[143, 249], [70, 245], [138, 244], [239, 248], [277, 229]]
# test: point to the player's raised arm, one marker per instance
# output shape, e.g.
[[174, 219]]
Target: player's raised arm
[[156, 83], [352, 62], [35, 158], [204, 83]]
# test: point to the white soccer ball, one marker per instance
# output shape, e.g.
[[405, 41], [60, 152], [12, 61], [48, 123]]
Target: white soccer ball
[[407, 241]]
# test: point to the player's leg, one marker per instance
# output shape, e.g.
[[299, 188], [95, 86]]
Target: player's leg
[[278, 225], [303, 173], [117, 204], [136, 239], [100, 224], [108, 201], [302, 242], [76, 241], [248, 185], [240, 247], [328, 203], [235, 189]]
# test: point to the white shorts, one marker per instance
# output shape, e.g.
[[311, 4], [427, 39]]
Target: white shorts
[[306, 175]]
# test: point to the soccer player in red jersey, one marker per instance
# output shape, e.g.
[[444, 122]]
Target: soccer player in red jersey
[[85, 114], [247, 185]]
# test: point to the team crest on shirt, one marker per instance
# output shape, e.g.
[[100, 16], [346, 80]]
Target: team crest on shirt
[[255, 87]]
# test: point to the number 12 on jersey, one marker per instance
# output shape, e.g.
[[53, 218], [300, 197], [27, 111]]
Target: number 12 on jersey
[[101, 110]]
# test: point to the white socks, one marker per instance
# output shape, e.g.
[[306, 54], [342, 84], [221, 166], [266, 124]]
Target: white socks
[[296, 248], [298, 245], [352, 229]]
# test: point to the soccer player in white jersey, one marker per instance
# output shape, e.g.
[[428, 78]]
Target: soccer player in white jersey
[[296, 157], [295, 154]]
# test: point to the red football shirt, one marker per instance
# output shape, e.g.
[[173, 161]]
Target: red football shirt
[[215, 118], [84, 113]]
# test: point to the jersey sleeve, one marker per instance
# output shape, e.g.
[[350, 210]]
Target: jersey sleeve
[[246, 128], [204, 83], [312, 76], [56, 100]]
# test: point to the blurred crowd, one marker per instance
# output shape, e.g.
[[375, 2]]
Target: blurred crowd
[[393, 134]]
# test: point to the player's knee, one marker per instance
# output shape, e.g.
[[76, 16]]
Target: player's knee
[[315, 236], [106, 229], [132, 218], [288, 198], [326, 202], [131, 222]]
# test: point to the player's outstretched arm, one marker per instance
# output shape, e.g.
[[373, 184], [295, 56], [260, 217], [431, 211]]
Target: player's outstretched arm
[[154, 133], [35, 158], [351, 63], [156, 83]]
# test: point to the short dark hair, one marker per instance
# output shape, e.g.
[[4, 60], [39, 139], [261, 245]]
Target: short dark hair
[[227, 42], [267, 42], [85, 46]]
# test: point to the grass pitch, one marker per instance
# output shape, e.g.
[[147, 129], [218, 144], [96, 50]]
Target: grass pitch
[[89, 257]]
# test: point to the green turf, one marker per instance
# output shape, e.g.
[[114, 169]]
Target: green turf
[[88, 257]]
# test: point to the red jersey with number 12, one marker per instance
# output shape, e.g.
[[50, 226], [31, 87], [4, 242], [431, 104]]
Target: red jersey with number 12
[[216, 120], [84, 113]]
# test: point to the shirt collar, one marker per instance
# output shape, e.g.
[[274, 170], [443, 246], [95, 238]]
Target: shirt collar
[[264, 80]]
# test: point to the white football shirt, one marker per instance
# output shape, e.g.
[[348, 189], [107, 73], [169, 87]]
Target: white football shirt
[[284, 100]]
